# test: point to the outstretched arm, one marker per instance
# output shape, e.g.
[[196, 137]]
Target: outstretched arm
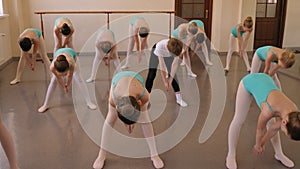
[[163, 68], [67, 39]]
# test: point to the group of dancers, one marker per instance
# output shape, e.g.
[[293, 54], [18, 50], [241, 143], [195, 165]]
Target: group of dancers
[[130, 94]]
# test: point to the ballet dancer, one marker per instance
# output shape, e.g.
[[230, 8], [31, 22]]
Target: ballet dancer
[[128, 100], [8, 146], [63, 31], [138, 35], [274, 59], [278, 112], [64, 68], [30, 38], [106, 49], [242, 32], [166, 53]]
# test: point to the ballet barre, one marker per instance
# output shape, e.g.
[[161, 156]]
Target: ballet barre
[[108, 13]]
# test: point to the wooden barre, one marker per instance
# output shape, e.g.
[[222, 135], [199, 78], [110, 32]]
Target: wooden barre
[[41, 13]]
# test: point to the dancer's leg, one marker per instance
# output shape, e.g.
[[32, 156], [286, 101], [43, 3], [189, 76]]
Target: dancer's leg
[[230, 51], [246, 60], [84, 90], [20, 69], [8, 146], [50, 90], [149, 135], [130, 47], [256, 63], [276, 143], [153, 63], [96, 62], [106, 131], [242, 105]]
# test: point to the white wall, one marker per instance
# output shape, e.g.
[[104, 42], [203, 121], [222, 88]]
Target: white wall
[[291, 36], [225, 16], [226, 13]]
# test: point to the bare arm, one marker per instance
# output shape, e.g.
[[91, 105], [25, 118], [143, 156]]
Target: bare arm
[[59, 79], [245, 42], [274, 70], [162, 66], [69, 78], [268, 62], [173, 69], [34, 52], [58, 36]]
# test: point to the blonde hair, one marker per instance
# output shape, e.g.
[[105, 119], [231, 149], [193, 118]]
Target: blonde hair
[[288, 58], [248, 22], [193, 28], [175, 46]]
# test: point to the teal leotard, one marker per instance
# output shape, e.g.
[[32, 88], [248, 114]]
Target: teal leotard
[[259, 85], [175, 33], [198, 22], [234, 31], [120, 75], [134, 19], [38, 32], [57, 20], [70, 51], [262, 53]]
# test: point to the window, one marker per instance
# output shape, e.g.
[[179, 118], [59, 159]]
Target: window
[[192, 8], [266, 8]]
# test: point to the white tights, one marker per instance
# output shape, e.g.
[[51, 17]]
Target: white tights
[[256, 65], [242, 105], [230, 51]]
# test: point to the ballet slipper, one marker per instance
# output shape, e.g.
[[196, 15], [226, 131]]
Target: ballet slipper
[[209, 63], [231, 163], [43, 108], [191, 74], [126, 66], [181, 103], [15, 81], [157, 162], [99, 163], [92, 106], [89, 80], [285, 160]]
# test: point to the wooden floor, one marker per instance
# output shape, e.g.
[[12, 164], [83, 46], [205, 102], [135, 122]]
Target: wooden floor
[[67, 135]]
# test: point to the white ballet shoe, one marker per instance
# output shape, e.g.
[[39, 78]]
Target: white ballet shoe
[[191, 74], [15, 81], [157, 162], [285, 160], [181, 103], [92, 106], [126, 66], [99, 163], [209, 63], [231, 163], [43, 108], [89, 80]]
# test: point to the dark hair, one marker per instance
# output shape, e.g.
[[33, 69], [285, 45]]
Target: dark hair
[[128, 109], [25, 44], [65, 30], [200, 38], [143, 32], [106, 47], [61, 64], [175, 46], [293, 125], [193, 28]]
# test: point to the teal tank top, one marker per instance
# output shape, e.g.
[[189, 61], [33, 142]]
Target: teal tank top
[[259, 85], [120, 75], [70, 51], [198, 22], [134, 19], [38, 32], [234, 32], [103, 29]]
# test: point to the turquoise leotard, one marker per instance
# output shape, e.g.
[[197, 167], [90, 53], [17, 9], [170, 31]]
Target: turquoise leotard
[[259, 85], [57, 20], [120, 75], [175, 33], [38, 32], [262, 53], [234, 32], [70, 51], [198, 22], [134, 19]]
